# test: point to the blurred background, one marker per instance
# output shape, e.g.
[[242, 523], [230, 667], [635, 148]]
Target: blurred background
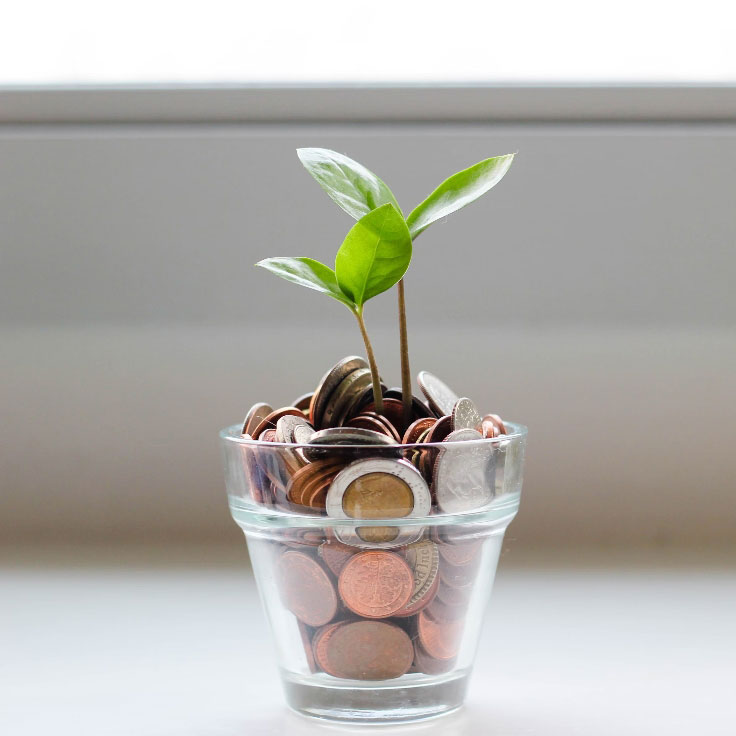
[[148, 161]]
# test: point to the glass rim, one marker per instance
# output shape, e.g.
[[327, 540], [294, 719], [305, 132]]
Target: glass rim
[[502, 509], [233, 433]]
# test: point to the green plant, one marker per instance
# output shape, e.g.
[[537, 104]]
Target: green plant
[[359, 191], [373, 257]]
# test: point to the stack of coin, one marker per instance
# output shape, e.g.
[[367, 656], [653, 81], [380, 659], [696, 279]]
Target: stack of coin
[[381, 598], [341, 413], [419, 593]]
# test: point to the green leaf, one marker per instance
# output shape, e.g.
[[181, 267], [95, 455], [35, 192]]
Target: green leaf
[[457, 191], [348, 183], [307, 272], [374, 255]]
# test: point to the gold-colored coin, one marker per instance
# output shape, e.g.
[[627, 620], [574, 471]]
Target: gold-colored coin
[[377, 533], [378, 496]]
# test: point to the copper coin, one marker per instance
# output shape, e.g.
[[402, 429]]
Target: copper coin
[[268, 435], [439, 640], [330, 381], [442, 427], [317, 496], [269, 422], [488, 429], [418, 408], [306, 634], [461, 554], [362, 421], [497, 422], [388, 428], [300, 480], [393, 410], [303, 401], [367, 650], [416, 429], [429, 665], [256, 414], [443, 612], [423, 559], [306, 589], [376, 584], [335, 554], [319, 643]]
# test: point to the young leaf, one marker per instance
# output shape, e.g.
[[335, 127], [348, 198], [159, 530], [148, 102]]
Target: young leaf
[[374, 255], [348, 183], [307, 272], [457, 191]]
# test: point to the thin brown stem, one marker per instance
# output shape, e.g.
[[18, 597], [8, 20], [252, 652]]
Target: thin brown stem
[[377, 394], [406, 395]]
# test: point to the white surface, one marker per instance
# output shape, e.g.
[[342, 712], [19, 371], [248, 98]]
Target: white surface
[[152, 649]]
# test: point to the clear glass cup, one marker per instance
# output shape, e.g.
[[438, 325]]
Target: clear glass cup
[[375, 618]]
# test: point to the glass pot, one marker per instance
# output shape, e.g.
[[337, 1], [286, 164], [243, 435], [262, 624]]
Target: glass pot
[[374, 565]]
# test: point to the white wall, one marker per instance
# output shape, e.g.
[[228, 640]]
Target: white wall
[[590, 296]]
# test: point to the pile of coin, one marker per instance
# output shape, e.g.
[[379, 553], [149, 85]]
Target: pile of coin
[[342, 412], [375, 601], [374, 614]]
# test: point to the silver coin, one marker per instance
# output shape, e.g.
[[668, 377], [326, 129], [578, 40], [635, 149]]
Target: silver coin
[[440, 396], [303, 433], [343, 394], [465, 415], [288, 429], [288, 426], [256, 414], [326, 442], [331, 380], [464, 477]]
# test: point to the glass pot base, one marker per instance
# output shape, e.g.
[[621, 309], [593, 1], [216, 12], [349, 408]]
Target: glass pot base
[[359, 702]]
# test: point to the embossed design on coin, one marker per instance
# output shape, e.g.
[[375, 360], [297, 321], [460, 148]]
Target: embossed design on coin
[[423, 559], [305, 588], [462, 475], [377, 496], [465, 415], [367, 650], [440, 396], [369, 497], [376, 584]]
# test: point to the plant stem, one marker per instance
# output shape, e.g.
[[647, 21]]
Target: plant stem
[[404, 348], [377, 393]]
